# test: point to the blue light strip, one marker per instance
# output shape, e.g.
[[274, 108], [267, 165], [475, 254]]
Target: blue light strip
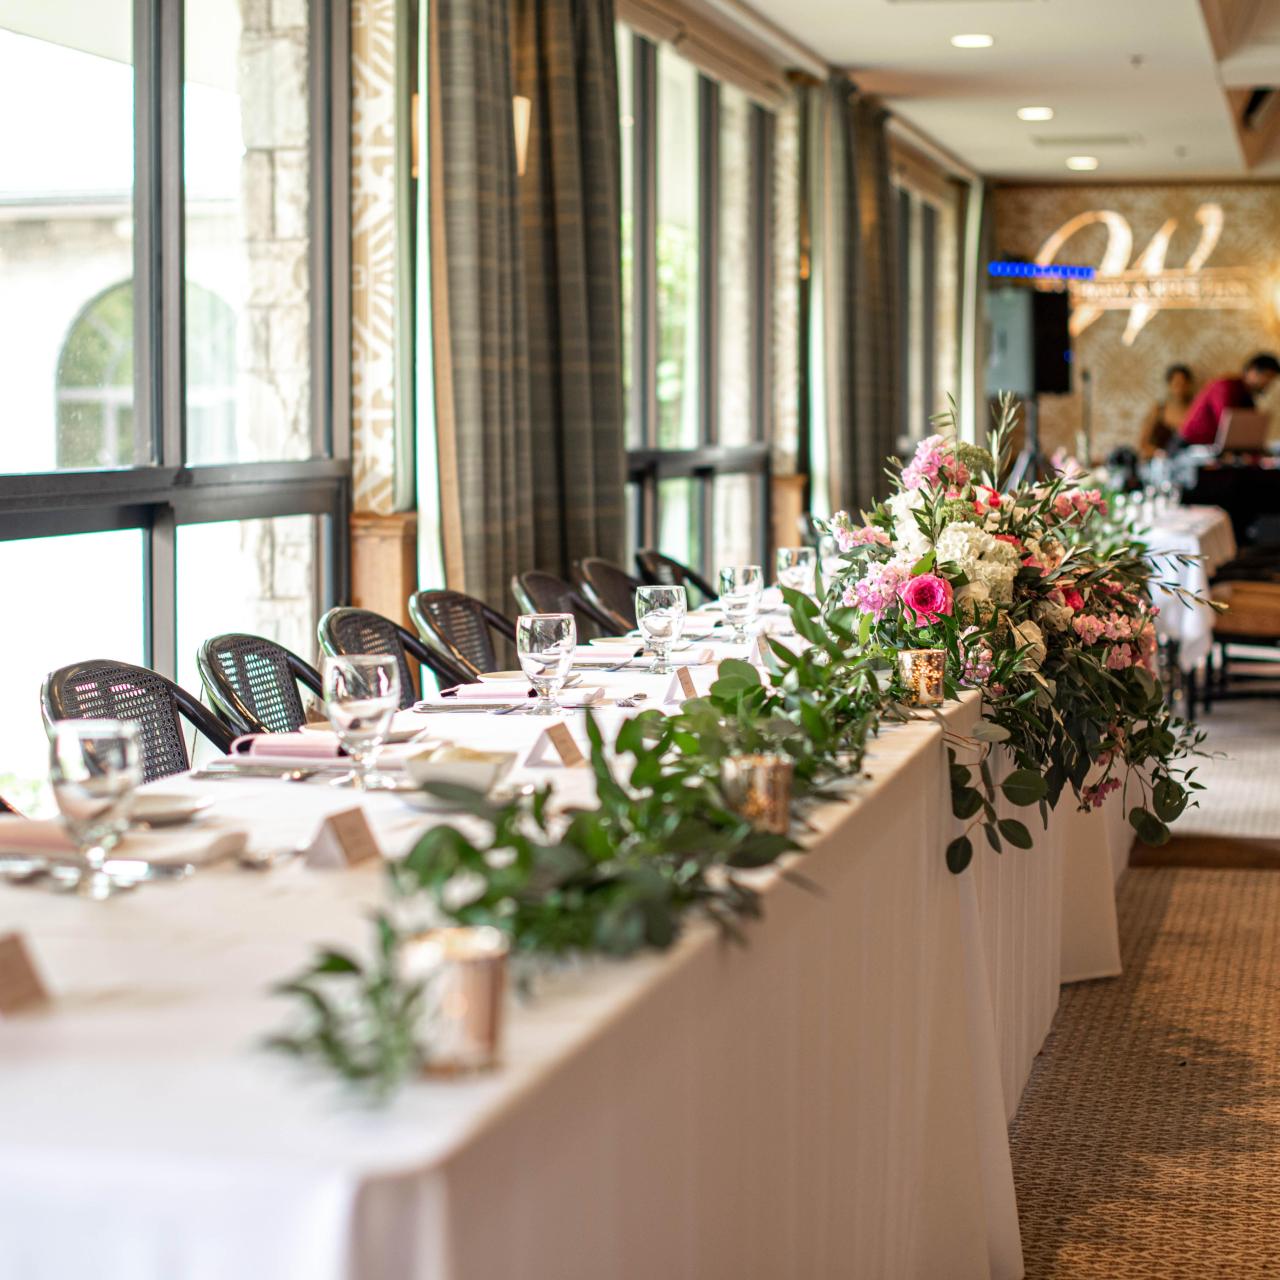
[[1030, 271]]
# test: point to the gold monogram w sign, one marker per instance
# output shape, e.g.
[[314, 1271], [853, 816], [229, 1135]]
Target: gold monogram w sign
[[1149, 285]]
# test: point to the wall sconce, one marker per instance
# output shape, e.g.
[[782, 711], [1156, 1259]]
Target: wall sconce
[[521, 112]]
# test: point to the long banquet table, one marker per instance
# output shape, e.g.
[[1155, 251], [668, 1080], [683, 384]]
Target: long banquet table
[[830, 1099]]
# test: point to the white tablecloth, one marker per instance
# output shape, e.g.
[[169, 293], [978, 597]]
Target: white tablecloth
[[830, 1100], [1204, 532]]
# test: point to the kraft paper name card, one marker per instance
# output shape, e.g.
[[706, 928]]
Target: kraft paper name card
[[345, 839], [21, 988], [687, 689], [557, 746]]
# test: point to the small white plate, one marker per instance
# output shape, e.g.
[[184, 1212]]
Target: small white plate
[[165, 809]]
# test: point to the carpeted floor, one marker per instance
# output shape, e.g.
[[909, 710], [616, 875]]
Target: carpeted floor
[[1147, 1144]]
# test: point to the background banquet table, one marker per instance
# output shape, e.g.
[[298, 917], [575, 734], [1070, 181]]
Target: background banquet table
[[829, 1099], [1206, 534]]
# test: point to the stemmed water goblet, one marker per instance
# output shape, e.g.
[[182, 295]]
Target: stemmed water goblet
[[660, 614], [361, 698], [94, 768], [797, 568], [545, 643], [740, 589]]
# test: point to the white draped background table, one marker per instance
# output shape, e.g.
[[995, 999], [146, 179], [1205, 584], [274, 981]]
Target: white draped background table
[[830, 1099]]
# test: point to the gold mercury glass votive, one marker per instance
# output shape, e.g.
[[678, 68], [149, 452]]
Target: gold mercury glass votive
[[465, 969], [759, 788], [923, 671]]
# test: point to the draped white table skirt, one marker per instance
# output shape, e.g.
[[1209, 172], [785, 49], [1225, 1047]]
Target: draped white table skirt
[[830, 1100]]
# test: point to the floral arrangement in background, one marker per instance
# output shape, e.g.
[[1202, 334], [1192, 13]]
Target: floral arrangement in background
[[1040, 602]]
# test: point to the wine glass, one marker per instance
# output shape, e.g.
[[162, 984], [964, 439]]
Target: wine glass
[[660, 615], [545, 643], [740, 589], [797, 568], [361, 698], [94, 768]]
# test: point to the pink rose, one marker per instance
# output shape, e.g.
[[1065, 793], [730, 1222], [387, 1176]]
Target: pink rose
[[926, 598], [1009, 538]]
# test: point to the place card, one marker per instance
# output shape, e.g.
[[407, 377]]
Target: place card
[[686, 682], [20, 984], [558, 743], [345, 839]]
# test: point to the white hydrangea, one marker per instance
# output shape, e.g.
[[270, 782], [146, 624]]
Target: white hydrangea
[[981, 557], [908, 539]]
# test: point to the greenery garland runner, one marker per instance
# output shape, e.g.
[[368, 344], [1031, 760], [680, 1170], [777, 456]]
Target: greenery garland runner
[[1046, 607], [1039, 600]]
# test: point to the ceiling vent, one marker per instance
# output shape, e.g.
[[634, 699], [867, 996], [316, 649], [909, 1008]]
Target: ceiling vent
[[1083, 142]]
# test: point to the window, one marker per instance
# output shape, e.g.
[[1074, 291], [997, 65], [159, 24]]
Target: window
[[172, 201], [928, 227], [695, 284]]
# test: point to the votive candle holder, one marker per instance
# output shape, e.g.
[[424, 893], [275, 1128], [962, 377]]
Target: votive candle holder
[[758, 787], [465, 970], [923, 672]]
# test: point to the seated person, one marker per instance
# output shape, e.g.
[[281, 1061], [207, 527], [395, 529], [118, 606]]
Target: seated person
[[1201, 423], [1167, 416]]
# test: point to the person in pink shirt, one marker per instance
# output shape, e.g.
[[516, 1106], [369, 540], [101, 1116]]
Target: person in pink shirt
[[1200, 426]]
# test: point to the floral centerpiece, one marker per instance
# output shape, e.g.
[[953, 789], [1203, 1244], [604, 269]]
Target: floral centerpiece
[[1042, 604]]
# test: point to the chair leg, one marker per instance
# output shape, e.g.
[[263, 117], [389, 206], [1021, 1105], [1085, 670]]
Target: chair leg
[[1208, 682]]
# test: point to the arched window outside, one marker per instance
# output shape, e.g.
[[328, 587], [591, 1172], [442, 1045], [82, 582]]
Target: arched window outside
[[96, 426]]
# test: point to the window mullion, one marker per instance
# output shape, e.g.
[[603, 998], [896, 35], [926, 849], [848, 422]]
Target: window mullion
[[645, 271], [146, 230]]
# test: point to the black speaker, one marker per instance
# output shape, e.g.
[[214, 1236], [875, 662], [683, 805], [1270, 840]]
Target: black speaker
[[1029, 342]]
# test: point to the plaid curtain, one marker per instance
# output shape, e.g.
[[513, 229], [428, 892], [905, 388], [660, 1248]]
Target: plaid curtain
[[856, 374], [570, 197]]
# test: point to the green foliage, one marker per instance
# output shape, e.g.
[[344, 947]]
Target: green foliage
[[358, 1019]]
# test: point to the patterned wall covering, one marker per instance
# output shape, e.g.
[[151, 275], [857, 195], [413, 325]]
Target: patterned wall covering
[[1192, 275], [373, 253]]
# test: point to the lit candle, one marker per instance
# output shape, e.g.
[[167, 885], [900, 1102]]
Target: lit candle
[[759, 788], [465, 971], [923, 672]]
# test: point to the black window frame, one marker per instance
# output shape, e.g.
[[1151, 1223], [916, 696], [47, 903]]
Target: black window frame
[[648, 464], [160, 497]]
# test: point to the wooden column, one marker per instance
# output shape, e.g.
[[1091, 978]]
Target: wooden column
[[786, 508], [384, 563]]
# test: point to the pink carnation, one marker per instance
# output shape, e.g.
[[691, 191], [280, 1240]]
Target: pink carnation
[[1088, 628], [868, 536], [926, 597], [1120, 657]]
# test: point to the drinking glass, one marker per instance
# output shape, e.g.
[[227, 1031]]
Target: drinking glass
[[797, 568], [545, 643], [740, 590], [361, 697], [94, 768], [660, 615]]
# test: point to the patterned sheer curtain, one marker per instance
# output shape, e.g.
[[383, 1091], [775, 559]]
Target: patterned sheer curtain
[[520, 376], [855, 370]]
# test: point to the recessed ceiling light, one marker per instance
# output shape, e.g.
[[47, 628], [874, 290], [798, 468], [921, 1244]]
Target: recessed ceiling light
[[1035, 113], [973, 41], [1082, 163]]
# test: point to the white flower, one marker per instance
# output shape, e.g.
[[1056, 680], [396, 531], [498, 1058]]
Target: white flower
[[1028, 633], [978, 592], [982, 558], [908, 538]]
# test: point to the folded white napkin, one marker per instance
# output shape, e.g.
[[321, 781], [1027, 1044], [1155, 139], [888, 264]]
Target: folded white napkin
[[196, 845], [489, 690]]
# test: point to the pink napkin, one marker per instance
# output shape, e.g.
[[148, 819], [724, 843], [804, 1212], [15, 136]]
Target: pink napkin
[[292, 746], [489, 691], [33, 835]]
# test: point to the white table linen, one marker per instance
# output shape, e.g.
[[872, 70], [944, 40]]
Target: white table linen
[[1203, 532]]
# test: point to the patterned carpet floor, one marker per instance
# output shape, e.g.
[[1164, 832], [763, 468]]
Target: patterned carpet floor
[[1147, 1144]]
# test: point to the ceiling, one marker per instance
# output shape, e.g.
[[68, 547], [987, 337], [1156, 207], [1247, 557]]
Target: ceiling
[[1143, 85]]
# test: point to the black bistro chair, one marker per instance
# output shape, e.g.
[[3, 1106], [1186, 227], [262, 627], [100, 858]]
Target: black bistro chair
[[462, 630], [664, 571], [611, 589], [539, 592], [253, 684], [105, 690], [345, 631]]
